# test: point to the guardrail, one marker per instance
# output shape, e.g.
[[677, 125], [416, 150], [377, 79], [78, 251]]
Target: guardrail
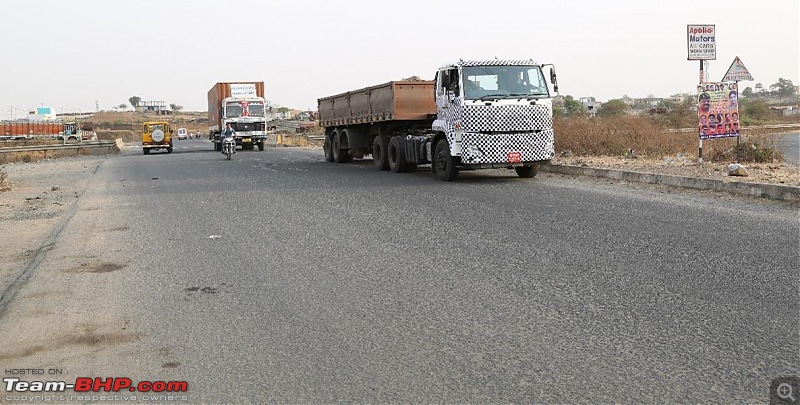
[[41, 152]]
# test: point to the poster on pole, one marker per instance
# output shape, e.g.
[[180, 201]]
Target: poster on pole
[[718, 109], [702, 42]]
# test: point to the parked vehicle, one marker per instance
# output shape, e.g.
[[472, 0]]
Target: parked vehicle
[[60, 130], [242, 105], [473, 115], [183, 134], [156, 135]]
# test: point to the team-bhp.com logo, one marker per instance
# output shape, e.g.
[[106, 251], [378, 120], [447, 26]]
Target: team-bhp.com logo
[[85, 384]]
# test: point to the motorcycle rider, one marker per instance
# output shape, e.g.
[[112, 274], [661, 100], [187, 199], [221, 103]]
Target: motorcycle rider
[[228, 131]]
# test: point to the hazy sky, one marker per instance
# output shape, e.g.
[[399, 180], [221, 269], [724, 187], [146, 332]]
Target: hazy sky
[[68, 53]]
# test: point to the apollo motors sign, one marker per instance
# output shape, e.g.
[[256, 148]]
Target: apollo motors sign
[[702, 42]]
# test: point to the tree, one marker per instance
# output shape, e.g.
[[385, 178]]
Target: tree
[[572, 106], [747, 92], [122, 106], [175, 107], [613, 108], [757, 109], [283, 110], [783, 88], [134, 100]]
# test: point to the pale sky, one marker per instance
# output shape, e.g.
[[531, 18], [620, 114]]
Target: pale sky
[[67, 54]]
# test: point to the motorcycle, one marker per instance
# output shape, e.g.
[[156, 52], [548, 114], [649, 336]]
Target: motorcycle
[[228, 146]]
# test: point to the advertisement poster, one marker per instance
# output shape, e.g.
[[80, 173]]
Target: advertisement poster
[[718, 109]]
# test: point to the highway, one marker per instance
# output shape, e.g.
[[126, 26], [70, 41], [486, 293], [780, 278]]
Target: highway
[[278, 277]]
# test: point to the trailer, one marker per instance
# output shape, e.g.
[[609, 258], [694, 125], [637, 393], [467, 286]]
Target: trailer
[[473, 115], [11, 130]]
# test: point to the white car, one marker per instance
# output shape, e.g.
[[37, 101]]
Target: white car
[[182, 134]]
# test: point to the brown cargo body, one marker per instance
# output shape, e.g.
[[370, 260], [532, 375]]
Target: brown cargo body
[[31, 128], [221, 91], [392, 101]]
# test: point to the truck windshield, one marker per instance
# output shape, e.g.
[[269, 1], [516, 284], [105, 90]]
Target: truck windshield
[[236, 109], [486, 82]]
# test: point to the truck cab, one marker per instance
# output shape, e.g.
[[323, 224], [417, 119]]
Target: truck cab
[[493, 113], [156, 135]]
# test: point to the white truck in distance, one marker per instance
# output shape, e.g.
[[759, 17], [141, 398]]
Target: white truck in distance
[[242, 105], [475, 114]]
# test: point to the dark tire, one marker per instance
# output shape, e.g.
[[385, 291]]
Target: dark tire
[[261, 145], [396, 155], [446, 169], [380, 153], [527, 171], [340, 155], [146, 151], [217, 147], [327, 147]]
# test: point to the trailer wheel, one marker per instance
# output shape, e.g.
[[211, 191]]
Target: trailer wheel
[[445, 164], [327, 147], [527, 171], [396, 155], [379, 153], [340, 155]]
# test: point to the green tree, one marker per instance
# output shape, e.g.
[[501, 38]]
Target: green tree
[[572, 106], [613, 108], [756, 110], [134, 100], [122, 106], [747, 92], [175, 107], [283, 110], [783, 88]]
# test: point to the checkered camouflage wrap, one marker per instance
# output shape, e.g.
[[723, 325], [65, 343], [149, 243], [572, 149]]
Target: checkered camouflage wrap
[[491, 132]]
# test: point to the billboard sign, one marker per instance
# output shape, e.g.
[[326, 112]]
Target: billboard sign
[[243, 90], [718, 110], [702, 42]]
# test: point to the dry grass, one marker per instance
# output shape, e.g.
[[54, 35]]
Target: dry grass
[[5, 184], [619, 136]]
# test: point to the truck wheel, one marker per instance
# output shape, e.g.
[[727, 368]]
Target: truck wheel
[[379, 153], [217, 147], [527, 171], [446, 169], [340, 155], [261, 145], [146, 151], [396, 155], [327, 147]]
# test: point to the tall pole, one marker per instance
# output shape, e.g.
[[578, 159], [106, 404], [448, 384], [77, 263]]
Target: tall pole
[[700, 144]]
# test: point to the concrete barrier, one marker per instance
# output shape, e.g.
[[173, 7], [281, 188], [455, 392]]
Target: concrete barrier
[[771, 191]]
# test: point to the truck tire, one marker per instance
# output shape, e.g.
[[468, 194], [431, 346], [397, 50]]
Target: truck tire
[[380, 153], [527, 171], [146, 151], [327, 147], [445, 165], [217, 146], [261, 145], [340, 155], [396, 155]]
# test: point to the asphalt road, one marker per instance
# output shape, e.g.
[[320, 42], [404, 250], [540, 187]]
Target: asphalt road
[[278, 277]]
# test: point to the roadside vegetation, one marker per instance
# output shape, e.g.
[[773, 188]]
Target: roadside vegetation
[[5, 184], [615, 130]]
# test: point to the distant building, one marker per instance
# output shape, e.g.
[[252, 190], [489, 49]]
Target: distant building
[[158, 107], [590, 104]]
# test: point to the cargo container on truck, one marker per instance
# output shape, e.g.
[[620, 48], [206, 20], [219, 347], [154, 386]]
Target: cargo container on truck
[[33, 129], [475, 114], [242, 105]]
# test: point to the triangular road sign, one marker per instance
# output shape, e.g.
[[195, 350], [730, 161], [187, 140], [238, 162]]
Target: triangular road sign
[[737, 72]]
